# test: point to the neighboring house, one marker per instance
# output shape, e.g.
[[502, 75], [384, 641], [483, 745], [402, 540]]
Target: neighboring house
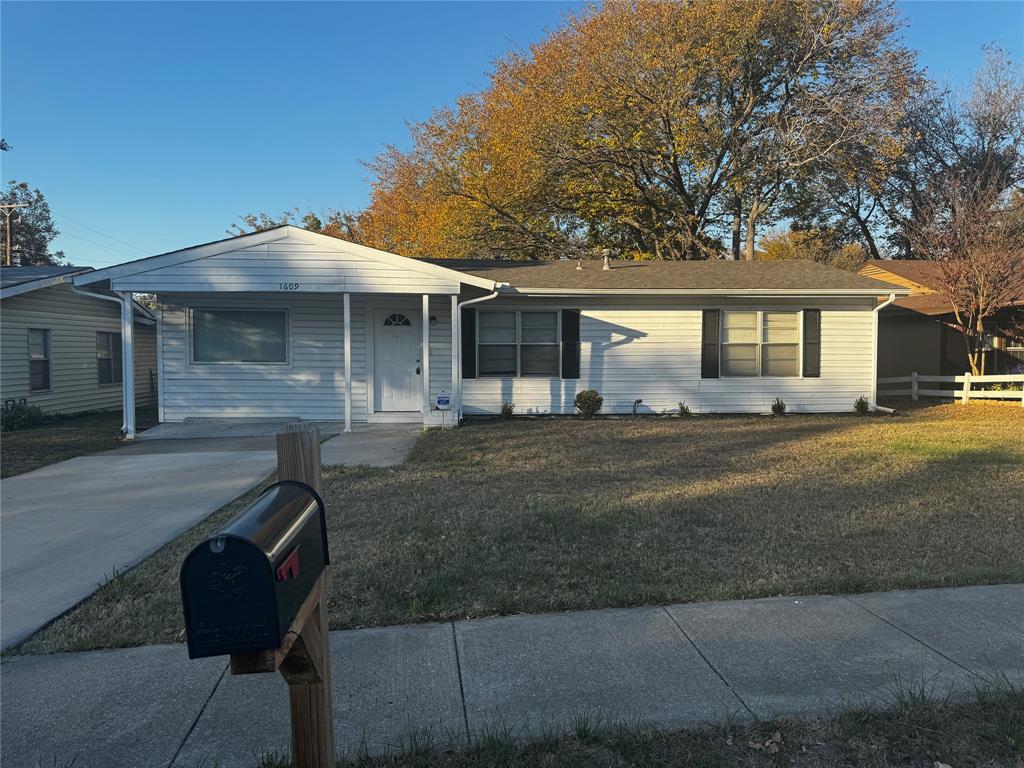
[[287, 323], [61, 350], [919, 333]]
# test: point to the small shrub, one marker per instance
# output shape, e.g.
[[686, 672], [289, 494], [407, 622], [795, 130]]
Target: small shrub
[[684, 410], [636, 408], [861, 406], [508, 410], [588, 402], [779, 407], [22, 417]]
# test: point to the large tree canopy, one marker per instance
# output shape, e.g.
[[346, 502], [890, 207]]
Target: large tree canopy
[[665, 130]]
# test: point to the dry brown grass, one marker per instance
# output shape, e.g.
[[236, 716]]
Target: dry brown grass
[[532, 516]]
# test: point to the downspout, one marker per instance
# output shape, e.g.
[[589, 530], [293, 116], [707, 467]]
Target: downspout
[[458, 352], [124, 403], [874, 354]]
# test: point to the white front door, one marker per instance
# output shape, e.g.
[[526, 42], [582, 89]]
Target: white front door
[[396, 360]]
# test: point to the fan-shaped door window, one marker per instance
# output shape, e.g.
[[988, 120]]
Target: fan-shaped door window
[[396, 318]]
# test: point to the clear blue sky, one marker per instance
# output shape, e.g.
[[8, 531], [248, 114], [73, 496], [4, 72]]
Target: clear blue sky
[[159, 123]]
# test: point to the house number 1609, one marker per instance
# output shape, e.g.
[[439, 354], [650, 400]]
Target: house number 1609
[[289, 286]]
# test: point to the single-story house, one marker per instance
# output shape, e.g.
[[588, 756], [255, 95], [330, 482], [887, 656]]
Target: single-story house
[[62, 346], [918, 333], [288, 323]]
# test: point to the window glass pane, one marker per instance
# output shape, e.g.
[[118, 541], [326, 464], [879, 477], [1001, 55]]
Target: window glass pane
[[246, 336], [780, 359], [539, 327], [39, 374], [781, 326], [497, 359], [102, 344], [539, 360], [739, 327], [38, 343], [115, 347], [497, 327], [739, 359]]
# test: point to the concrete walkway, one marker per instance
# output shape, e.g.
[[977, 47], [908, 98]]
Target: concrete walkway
[[67, 527], [671, 666]]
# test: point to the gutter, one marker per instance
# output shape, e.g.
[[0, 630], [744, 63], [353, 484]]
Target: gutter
[[775, 292], [458, 336], [874, 354], [127, 356]]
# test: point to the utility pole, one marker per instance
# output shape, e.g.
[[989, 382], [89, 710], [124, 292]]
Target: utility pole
[[9, 210]]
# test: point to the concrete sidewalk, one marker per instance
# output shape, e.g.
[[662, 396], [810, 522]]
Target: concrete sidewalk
[[671, 666]]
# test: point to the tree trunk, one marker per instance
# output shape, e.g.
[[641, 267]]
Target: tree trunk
[[755, 212], [737, 225], [868, 238]]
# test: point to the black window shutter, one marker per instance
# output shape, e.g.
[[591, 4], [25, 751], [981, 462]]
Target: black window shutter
[[709, 345], [812, 343], [570, 343], [468, 343]]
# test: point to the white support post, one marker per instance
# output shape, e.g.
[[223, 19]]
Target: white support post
[[346, 302], [913, 385], [127, 364], [456, 400], [425, 383], [965, 396]]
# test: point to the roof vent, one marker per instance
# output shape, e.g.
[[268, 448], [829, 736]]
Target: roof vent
[[606, 253], [579, 265]]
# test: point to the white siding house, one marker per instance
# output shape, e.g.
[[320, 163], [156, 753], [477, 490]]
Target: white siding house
[[287, 323], [61, 350]]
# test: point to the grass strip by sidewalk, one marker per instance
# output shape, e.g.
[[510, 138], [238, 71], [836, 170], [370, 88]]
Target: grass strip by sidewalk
[[555, 514], [986, 732]]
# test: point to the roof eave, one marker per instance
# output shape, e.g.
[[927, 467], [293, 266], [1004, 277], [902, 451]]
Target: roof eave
[[40, 283], [776, 292]]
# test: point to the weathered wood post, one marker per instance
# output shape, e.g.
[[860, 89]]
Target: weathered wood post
[[913, 385], [965, 396], [307, 667]]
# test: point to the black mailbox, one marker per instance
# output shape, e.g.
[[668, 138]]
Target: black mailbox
[[242, 587]]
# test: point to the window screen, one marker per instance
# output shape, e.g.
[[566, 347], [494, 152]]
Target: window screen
[[518, 343], [108, 357], [239, 336], [39, 358]]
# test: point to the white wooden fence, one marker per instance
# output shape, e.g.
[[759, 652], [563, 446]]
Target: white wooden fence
[[965, 387]]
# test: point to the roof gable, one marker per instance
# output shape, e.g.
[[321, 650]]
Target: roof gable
[[263, 261]]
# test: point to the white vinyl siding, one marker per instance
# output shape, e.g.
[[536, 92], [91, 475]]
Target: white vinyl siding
[[287, 265], [650, 349], [73, 321]]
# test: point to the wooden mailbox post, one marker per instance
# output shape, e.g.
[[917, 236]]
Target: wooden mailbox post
[[302, 655]]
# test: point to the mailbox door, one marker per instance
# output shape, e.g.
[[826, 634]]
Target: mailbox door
[[229, 599]]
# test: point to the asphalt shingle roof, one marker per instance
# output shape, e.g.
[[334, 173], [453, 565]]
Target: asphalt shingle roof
[[17, 275], [679, 275]]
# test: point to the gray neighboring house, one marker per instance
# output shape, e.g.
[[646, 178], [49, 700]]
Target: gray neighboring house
[[62, 348]]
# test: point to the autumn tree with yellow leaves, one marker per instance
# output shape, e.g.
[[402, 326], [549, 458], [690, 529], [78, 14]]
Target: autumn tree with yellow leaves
[[660, 130]]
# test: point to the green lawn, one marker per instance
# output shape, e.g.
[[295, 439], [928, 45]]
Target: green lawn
[[65, 438], [544, 515]]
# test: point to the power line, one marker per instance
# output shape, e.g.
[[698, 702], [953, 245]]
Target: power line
[[101, 245], [104, 234]]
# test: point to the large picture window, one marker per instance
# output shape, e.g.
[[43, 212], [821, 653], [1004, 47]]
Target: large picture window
[[39, 359], [760, 343], [518, 343], [108, 357], [239, 336]]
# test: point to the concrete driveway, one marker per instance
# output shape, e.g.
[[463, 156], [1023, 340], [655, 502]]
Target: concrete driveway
[[66, 527]]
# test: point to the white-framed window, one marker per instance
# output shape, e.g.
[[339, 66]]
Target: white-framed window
[[108, 357], [760, 343], [519, 343], [40, 379], [239, 336]]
